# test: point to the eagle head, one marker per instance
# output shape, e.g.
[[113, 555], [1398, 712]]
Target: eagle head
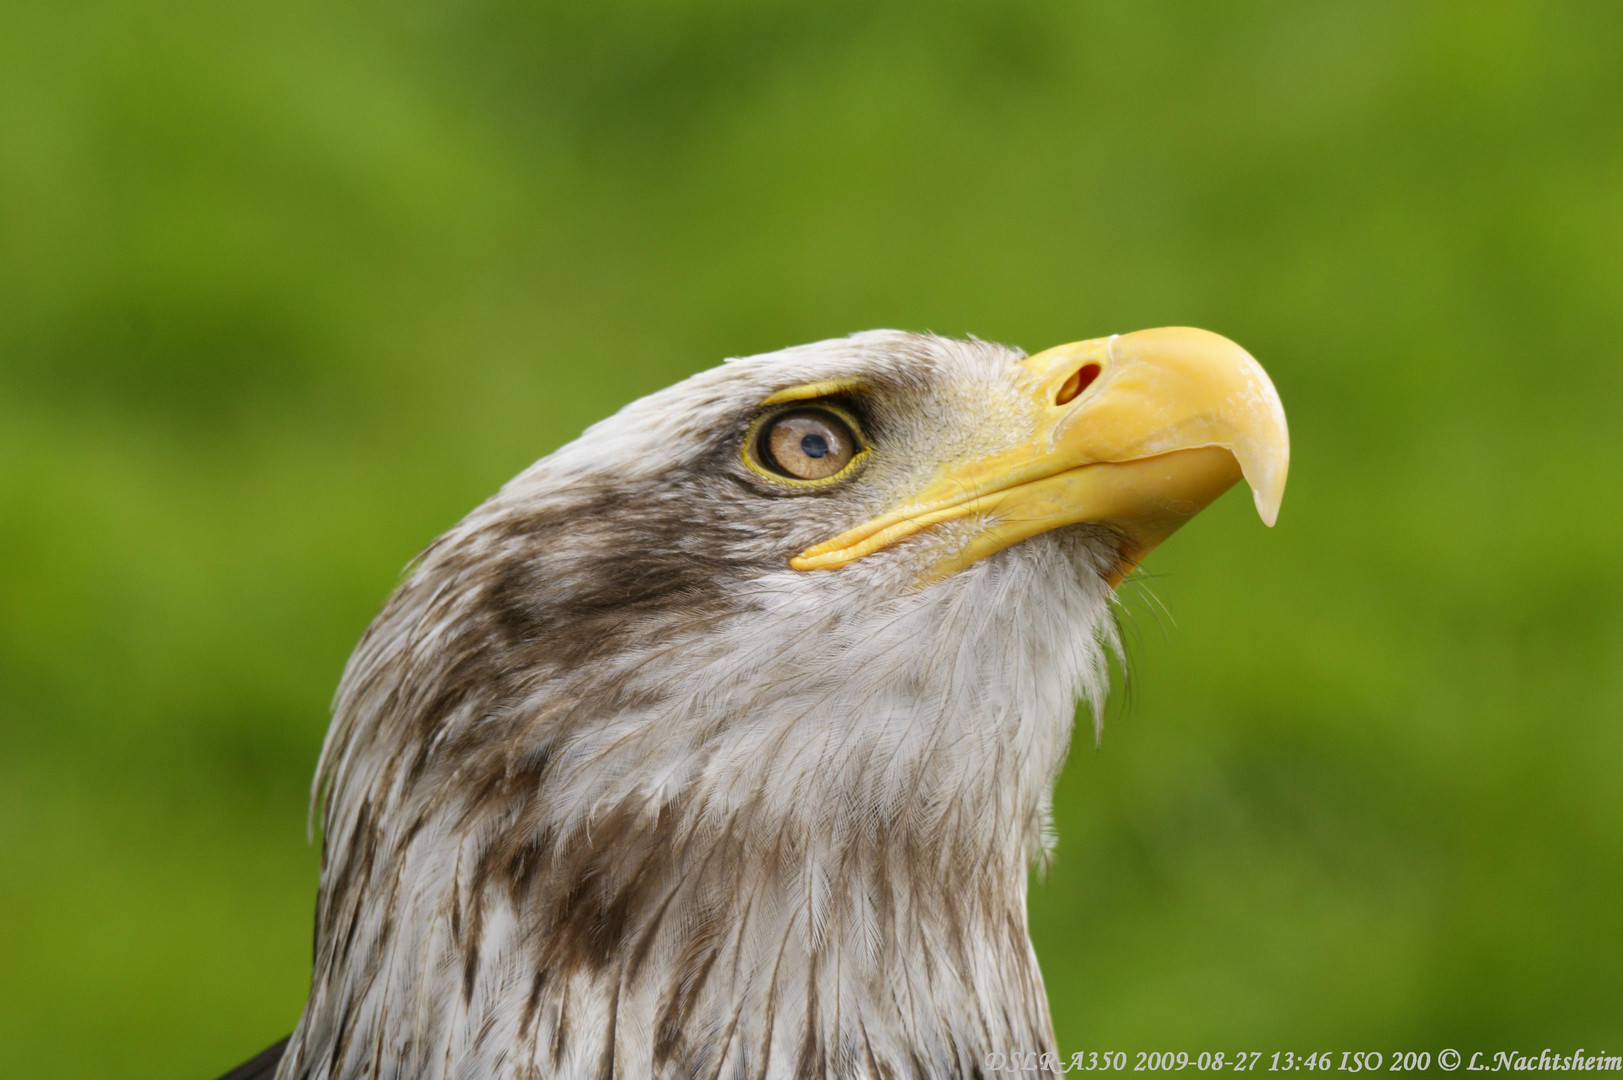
[[719, 742]]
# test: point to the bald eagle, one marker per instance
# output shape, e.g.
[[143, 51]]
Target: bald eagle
[[719, 742]]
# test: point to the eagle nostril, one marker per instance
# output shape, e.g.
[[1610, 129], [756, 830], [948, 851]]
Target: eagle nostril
[[1079, 381]]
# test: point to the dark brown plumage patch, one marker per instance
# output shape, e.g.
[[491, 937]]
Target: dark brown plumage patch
[[538, 983], [812, 1063], [262, 1066], [603, 889], [685, 986], [471, 943], [641, 563]]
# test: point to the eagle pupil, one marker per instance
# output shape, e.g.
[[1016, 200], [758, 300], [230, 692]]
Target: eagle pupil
[[814, 446]]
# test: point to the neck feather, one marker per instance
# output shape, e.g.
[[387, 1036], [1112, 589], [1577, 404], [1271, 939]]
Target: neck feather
[[696, 851]]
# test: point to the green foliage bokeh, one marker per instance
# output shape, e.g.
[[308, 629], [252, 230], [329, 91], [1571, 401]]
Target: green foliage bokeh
[[287, 288]]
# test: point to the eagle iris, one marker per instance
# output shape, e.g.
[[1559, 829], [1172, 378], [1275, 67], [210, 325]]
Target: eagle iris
[[806, 444]]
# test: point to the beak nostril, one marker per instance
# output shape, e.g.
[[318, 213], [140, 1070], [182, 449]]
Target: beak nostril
[[1079, 381]]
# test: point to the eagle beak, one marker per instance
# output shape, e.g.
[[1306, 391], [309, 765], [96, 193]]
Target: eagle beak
[[1138, 432]]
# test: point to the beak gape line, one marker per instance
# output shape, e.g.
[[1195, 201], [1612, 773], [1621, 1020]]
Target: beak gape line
[[1136, 431]]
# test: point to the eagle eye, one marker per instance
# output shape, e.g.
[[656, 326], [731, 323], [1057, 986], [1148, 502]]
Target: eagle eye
[[805, 444]]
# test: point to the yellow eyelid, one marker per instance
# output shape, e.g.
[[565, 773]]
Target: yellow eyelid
[[808, 391], [747, 452]]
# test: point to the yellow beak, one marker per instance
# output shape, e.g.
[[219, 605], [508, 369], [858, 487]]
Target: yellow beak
[[1135, 431]]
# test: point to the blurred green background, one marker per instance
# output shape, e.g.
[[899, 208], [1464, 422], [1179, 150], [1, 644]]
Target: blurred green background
[[287, 288]]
